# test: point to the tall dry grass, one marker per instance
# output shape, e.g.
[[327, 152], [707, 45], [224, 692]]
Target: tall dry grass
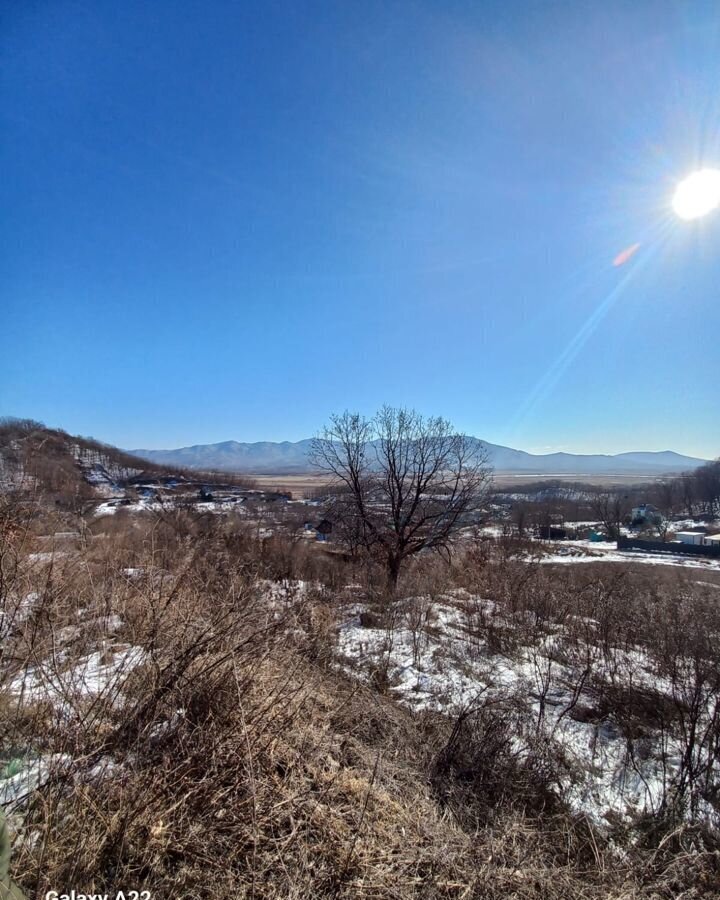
[[230, 758]]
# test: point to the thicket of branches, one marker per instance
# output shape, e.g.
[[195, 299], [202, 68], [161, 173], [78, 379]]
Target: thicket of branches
[[693, 493]]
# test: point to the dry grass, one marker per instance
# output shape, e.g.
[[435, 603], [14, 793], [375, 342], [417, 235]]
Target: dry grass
[[284, 786], [236, 761], [306, 484]]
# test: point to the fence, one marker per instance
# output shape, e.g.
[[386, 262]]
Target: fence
[[625, 543]]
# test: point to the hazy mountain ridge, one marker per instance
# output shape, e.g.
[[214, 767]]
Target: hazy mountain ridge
[[292, 456]]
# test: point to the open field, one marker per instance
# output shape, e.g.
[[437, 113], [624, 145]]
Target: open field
[[299, 485], [503, 479], [307, 483]]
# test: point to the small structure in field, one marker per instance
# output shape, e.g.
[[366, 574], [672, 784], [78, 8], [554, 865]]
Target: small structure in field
[[712, 540], [696, 538], [323, 530]]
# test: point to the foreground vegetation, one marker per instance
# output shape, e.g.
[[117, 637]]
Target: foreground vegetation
[[178, 715]]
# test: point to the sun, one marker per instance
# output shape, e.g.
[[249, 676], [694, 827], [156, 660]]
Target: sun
[[698, 194]]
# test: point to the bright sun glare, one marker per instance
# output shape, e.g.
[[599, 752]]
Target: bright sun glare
[[698, 194]]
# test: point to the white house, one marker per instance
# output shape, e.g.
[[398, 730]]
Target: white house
[[712, 540], [646, 513]]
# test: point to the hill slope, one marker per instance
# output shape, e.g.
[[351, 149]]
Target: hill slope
[[68, 469], [55, 463]]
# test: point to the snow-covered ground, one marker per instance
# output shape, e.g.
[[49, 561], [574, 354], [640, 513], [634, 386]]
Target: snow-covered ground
[[445, 668], [69, 685], [150, 504], [607, 551], [25, 775], [63, 682]]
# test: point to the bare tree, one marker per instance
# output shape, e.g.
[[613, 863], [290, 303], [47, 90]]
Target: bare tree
[[696, 491], [612, 508], [666, 495], [688, 490], [519, 516], [404, 483], [707, 480]]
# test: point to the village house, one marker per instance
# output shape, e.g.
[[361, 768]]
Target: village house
[[646, 514]]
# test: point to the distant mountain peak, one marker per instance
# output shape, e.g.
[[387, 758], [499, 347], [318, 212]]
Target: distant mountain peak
[[284, 457]]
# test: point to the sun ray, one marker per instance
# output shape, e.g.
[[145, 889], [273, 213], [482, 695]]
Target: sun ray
[[557, 369]]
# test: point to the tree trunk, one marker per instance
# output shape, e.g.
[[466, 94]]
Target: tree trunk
[[393, 570]]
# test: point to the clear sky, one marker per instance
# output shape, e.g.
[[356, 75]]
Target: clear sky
[[226, 220]]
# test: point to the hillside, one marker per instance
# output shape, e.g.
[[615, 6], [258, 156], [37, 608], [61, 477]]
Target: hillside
[[54, 462], [69, 469], [287, 457]]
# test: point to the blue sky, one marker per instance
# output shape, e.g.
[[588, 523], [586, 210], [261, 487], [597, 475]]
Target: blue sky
[[230, 219]]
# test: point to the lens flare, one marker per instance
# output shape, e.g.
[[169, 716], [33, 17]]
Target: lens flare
[[698, 194], [626, 255]]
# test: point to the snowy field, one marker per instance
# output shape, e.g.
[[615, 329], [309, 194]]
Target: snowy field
[[448, 666], [569, 552]]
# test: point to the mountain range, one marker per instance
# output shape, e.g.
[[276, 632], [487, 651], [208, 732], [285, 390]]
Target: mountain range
[[286, 457]]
